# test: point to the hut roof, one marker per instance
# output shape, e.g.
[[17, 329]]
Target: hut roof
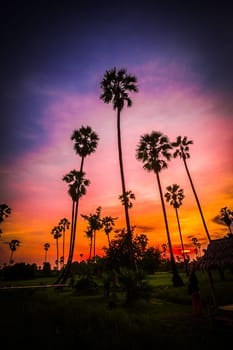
[[219, 254]]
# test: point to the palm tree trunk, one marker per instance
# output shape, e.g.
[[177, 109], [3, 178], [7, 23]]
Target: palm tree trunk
[[177, 280], [11, 257], [197, 200], [94, 236], [65, 272], [91, 240], [181, 239], [63, 247], [57, 255], [108, 240], [67, 269], [213, 290], [129, 233]]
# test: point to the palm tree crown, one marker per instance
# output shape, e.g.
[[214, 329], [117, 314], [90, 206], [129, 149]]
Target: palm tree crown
[[182, 145], [115, 86], [85, 141], [154, 151], [175, 195]]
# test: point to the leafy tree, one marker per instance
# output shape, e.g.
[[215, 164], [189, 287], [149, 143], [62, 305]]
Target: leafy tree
[[116, 86], [13, 246], [181, 146], [154, 151], [175, 196], [85, 143]]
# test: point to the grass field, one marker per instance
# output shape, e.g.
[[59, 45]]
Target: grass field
[[50, 318]]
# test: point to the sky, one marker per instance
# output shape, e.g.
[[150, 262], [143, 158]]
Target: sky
[[53, 57]]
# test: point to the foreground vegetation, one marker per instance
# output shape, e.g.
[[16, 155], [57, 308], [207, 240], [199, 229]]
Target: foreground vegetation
[[57, 317]]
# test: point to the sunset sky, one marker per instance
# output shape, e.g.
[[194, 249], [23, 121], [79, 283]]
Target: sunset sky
[[53, 58]]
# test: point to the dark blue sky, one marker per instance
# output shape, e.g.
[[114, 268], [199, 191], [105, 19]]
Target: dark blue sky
[[62, 44]]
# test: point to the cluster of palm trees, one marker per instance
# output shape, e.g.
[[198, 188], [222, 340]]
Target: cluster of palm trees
[[57, 232], [155, 151], [96, 223]]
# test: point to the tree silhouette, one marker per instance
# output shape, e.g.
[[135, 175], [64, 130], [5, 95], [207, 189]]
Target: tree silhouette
[[116, 86], [85, 143], [108, 223], [94, 224], [65, 225], [226, 215], [46, 248], [175, 196], [182, 150], [154, 151], [5, 211], [56, 232], [13, 246]]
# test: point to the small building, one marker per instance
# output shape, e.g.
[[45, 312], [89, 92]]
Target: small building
[[218, 255]]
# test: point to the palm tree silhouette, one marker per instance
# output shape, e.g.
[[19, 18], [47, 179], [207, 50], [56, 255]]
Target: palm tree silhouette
[[94, 224], [5, 211], [175, 196], [116, 85], [56, 232], [46, 248], [77, 188], [154, 151], [108, 223], [129, 195], [85, 143], [13, 246], [89, 234], [182, 150], [65, 225], [226, 215]]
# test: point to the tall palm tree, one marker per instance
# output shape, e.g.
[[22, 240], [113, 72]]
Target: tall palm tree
[[108, 223], [181, 146], [85, 143], [154, 151], [175, 196], [65, 225], [13, 246], [77, 188], [46, 248], [116, 86], [56, 232], [94, 224]]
